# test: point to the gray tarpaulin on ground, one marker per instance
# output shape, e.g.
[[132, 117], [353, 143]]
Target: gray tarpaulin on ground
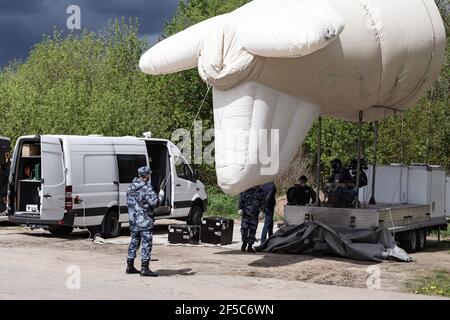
[[375, 244]]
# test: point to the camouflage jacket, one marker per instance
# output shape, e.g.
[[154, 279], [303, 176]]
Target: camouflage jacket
[[252, 200], [141, 201]]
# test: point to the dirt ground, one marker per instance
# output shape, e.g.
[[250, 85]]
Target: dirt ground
[[34, 264]]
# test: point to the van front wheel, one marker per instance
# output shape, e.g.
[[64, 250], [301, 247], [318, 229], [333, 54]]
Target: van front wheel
[[60, 230], [195, 216], [111, 225]]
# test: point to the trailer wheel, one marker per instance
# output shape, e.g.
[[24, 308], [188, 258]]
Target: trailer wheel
[[195, 215], [408, 241], [421, 239], [60, 230], [111, 225]]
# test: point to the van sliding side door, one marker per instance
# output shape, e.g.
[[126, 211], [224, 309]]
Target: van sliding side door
[[127, 165]]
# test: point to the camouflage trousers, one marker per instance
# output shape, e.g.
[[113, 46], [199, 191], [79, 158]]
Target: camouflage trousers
[[249, 224], [141, 237]]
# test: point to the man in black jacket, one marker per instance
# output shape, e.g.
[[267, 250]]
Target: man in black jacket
[[301, 194], [269, 207]]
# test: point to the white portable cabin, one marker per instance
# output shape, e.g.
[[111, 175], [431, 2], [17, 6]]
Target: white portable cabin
[[414, 184], [68, 181], [391, 184]]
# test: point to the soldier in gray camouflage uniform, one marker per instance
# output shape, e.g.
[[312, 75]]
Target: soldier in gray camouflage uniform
[[141, 201], [251, 202]]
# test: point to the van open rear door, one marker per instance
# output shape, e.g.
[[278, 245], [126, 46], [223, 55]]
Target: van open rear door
[[53, 179]]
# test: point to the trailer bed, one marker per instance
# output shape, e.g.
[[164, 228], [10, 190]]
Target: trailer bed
[[396, 218]]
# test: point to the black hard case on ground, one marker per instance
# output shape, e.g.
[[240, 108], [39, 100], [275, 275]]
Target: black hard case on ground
[[216, 230], [181, 233]]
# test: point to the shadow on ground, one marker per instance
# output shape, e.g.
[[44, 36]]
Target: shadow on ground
[[175, 272], [269, 260], [434, 246]]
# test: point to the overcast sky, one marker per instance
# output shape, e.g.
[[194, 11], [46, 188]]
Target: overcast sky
[[23, 22]]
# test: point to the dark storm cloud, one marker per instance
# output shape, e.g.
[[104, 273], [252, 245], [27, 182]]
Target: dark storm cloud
[[23, 22]]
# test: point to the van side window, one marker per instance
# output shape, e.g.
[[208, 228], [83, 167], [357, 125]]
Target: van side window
[[128, 166], [183, 170]]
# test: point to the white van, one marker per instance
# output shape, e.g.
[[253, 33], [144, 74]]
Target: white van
[[62, 182]]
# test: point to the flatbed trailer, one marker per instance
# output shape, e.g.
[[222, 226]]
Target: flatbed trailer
[[409, 224], [410, 200]]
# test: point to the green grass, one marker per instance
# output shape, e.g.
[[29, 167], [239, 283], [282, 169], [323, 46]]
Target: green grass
[[221, 204], [436, 283]]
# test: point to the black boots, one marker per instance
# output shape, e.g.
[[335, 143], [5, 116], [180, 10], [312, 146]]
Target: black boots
[[130, 267], [247, 247], [145, 271]]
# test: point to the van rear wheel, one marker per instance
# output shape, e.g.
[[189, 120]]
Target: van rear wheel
[[195, 215], [60, 230], [111, 225]]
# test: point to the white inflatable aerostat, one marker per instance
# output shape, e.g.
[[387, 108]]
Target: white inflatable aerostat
[[278, 64]]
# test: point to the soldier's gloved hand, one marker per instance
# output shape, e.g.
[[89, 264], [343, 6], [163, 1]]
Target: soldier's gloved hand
[[162, 193], [240, 212]]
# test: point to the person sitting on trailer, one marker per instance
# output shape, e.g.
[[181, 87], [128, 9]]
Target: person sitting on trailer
[[339, 174], [340, 189], [301, 194], [362, 174]]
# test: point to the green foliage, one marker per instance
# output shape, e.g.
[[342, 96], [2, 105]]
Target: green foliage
[[78, 85], [220, 204]]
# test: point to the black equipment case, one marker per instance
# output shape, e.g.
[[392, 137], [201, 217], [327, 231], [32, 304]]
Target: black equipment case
[[181, 233], [216, 230]]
